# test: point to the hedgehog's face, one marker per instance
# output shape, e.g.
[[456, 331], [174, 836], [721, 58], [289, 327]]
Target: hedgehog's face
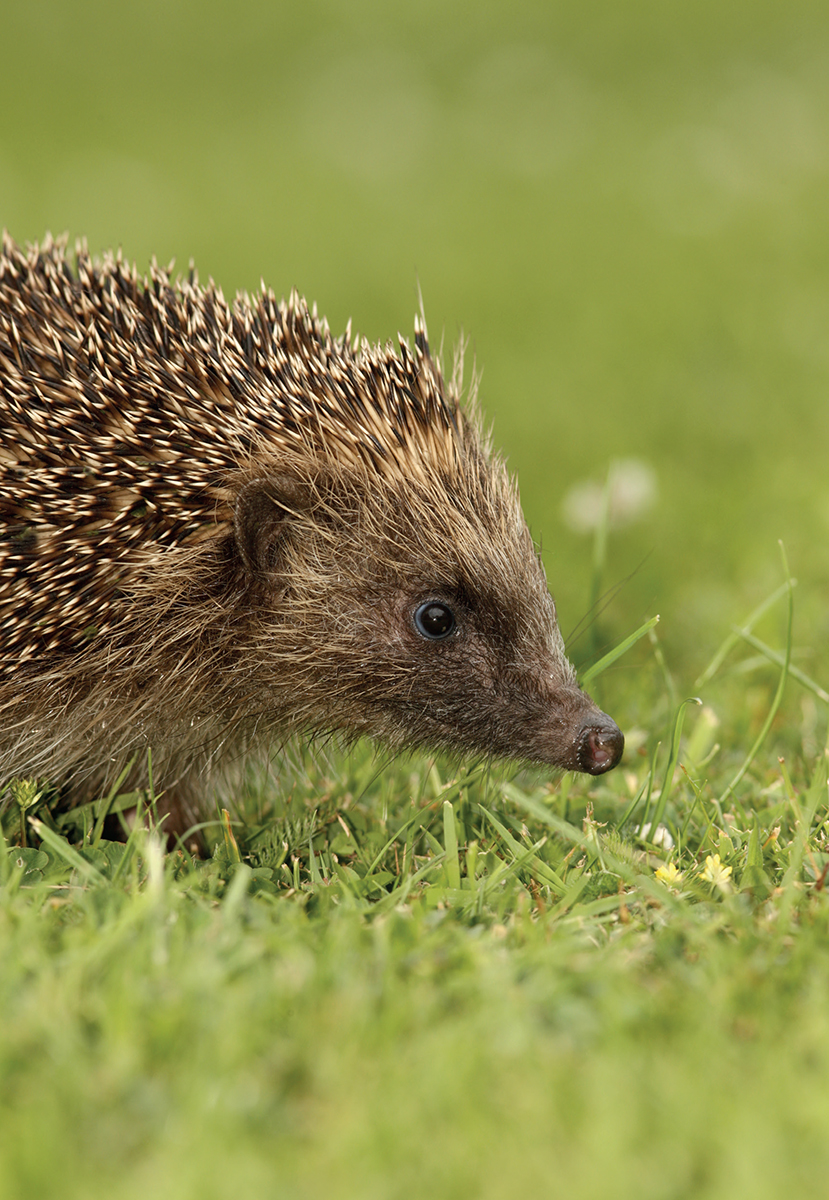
[[418, 637], [474, 670]]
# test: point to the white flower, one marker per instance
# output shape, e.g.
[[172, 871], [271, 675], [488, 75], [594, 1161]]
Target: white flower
[[629, 493], [661, 835]]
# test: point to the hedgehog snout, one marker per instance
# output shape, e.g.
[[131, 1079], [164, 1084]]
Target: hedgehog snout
[[599, 744]]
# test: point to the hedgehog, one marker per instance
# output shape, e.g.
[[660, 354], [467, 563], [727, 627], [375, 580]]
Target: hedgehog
[[221, 528]]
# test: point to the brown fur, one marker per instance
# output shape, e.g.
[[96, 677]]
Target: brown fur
[[217, 521]]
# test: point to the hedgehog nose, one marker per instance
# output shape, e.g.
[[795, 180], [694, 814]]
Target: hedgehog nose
[[599, 744]]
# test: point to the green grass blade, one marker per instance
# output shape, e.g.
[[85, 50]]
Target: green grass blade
[[450, 841], [608, 659], [778, 695], [778, 659], [673, 759], [68, 853], [734, 637]]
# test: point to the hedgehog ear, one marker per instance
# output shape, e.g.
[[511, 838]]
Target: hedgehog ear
[[265, 509]]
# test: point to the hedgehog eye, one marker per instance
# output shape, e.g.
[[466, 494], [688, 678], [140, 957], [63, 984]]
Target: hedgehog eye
[[434, 620]]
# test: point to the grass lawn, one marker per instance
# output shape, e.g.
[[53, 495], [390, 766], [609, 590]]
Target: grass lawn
[[395, 980], [406, 976]]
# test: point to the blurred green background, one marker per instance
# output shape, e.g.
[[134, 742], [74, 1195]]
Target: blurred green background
[[624, 207]]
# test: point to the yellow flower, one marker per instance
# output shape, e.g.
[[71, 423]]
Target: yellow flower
[[668, 873], [716, 873]]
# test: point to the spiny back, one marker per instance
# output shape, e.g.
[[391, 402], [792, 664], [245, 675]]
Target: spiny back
[[128, 405]]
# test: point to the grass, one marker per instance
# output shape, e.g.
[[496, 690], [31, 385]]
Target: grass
[[399, 976]]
